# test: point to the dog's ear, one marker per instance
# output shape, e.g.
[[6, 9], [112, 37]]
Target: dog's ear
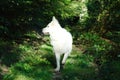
[[55, 22], [53, 19]]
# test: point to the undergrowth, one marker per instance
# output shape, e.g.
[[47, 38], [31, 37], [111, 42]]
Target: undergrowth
[[33, 59]]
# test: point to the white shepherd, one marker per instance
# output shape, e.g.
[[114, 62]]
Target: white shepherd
[[61, 40]]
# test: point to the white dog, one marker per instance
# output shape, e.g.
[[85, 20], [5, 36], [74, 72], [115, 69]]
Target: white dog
[[61, 40]]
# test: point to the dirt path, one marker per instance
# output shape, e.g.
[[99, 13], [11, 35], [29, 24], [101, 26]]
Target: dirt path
[[57, 76]]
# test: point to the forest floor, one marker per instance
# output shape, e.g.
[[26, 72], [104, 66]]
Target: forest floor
[[33, 59]]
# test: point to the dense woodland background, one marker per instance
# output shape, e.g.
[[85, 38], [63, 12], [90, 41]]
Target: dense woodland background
[[25, 54]]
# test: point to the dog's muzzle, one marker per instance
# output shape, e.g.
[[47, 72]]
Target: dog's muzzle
[[45, 32]]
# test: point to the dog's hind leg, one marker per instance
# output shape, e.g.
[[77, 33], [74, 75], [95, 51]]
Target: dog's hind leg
[[64, 58]]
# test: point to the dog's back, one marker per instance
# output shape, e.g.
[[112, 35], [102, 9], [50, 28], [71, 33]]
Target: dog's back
[[61, 41]]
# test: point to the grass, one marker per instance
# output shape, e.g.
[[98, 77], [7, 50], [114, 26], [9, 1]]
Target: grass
[[32, 65], [34, 60], [37, 65], [79, 67]]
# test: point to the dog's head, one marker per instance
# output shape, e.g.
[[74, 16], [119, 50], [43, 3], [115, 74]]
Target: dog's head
[[51, 27]]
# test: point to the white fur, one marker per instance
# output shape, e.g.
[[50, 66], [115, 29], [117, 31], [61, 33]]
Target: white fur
[[61, 40]]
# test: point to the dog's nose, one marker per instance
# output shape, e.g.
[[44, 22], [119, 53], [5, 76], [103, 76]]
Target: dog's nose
[[42, 30]]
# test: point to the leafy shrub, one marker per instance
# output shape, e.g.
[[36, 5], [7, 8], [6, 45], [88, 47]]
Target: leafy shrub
[[9, 53], [31, 63], [110, 70], [96, 46]]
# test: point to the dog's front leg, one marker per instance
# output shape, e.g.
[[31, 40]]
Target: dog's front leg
[[57, 61]]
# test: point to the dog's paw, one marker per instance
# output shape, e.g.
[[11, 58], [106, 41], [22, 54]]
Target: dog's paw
[[56, 69]]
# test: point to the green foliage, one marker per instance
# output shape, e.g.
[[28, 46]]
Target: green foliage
[[80, 66], [93, 24], [110, 70], [26, 71], [31, 65], [103, 16], [97, 47], [9, 54]]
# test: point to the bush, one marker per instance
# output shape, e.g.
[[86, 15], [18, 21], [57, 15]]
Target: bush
[[97, 47]]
